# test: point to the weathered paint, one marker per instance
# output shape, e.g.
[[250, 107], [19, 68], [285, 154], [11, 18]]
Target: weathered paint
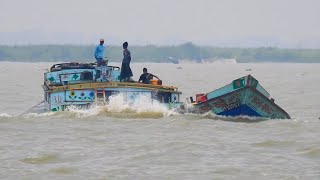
[[67, 75], [60, 100], [74, 75], [80, 95], [245, 101], [244, 96], [237, 84], [56, 101]]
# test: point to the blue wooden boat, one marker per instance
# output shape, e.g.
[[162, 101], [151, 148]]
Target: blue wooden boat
[[242, 97], [84, 84]]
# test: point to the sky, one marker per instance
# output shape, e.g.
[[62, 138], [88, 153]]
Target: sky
[[224, 23]]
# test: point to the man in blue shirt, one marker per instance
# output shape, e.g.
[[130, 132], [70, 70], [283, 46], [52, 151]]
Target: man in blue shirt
[[98, 53]]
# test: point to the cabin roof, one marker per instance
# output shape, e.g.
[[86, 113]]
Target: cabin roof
[[72, 65]]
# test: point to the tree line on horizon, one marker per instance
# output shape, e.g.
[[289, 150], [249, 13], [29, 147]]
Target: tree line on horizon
[[153, 53]]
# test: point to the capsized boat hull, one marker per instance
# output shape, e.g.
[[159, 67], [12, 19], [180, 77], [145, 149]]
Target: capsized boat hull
[[243, 102], [247, 100]]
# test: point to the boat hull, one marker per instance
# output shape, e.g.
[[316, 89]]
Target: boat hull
[[59, 98], [247, 101]]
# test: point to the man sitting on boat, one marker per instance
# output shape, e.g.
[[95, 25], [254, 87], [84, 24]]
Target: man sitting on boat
[[146, 77], [98, 53]]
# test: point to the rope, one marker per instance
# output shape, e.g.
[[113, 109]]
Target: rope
[[31, 108]]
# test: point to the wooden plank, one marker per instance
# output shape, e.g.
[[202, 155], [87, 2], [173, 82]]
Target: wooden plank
[[113, 85]]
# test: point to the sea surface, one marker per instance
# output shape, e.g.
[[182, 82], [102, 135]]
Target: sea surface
[[148, 142]]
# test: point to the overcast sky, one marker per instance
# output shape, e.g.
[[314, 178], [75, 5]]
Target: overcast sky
[[282, 23]]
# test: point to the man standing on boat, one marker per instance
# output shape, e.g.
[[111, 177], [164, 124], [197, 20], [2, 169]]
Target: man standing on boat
[[98, 53], [126, 72]]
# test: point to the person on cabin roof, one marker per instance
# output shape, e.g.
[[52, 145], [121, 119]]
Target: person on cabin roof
[[126, 72], [146, 77], [98, 53]]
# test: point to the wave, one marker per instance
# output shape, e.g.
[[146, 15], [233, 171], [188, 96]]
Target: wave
[[312, 152], [43, 159], [117, 106], [142, 107], [130, 113], [6, 115], [133, 111], [273, 143]]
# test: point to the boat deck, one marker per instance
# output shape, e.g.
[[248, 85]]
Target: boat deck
[[95, 85]]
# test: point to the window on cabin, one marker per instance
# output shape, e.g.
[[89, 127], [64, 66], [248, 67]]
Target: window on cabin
[[86, 75], [163, 97]]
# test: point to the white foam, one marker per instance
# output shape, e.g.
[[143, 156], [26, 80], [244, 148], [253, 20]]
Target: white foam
[[31, 115], [5, 115], [118, 104]]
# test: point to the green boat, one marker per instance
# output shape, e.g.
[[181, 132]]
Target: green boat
[[242, 97]]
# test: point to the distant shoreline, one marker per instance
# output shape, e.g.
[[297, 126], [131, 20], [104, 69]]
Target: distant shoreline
[[158, 54]]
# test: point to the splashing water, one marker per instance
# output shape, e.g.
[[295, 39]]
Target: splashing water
[[118, 106], [5, 115]]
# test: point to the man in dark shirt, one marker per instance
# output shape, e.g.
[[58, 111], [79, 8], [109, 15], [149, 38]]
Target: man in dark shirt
[[126, 72], [146, 77]]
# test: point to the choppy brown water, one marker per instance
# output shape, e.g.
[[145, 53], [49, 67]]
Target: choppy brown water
[[156, 144]]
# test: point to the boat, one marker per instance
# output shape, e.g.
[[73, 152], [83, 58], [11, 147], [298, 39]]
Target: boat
[[75, 84], [242, 97], [84, 84]]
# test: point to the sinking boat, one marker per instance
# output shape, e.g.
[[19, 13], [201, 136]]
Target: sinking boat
[[242, 97], [85, 84]]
